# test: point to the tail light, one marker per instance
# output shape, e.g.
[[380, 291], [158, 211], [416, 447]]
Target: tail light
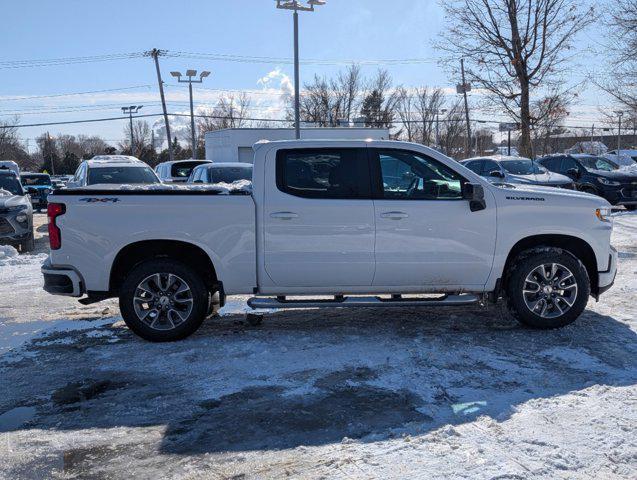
[[53, 211]]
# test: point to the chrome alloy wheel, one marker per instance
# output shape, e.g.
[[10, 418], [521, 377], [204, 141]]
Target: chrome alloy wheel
[[550, 290], [163, 301]]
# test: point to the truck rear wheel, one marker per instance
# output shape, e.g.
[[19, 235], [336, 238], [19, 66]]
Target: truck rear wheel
[[163, 300], [547, 288]]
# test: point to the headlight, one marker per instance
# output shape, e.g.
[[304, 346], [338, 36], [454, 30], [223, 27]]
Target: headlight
[[47, 191], [17, 208], [21, 218], [604, 214], [610, 183]]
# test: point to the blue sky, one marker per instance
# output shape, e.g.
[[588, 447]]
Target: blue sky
[[342, 29]]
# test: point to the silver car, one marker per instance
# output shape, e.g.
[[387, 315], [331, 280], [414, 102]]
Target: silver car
[[16, 213], [504, 169]]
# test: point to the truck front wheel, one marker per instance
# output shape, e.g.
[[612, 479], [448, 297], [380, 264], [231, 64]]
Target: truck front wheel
[[547, 288], [163, 300]]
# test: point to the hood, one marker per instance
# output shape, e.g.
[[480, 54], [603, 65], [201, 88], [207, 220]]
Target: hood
[[542, 178], [552, 192], [7, 201]]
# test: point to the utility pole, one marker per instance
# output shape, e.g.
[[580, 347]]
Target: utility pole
[[130, 110], [155, 53], [48, 142], [465, 88], [297, 6], [438, 112], [619, 130], [190, 81]]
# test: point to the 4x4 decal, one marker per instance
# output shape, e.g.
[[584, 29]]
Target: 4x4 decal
[[99, 200]]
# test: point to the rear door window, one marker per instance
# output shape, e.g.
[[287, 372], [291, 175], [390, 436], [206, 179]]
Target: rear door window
[[331, 173]]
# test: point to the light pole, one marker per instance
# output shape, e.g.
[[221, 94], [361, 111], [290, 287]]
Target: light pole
[[190, 74], [130, 110], [619, 130], [297, 6], [438, 112]]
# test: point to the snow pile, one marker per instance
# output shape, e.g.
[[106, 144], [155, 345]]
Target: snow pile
[[221, 188], [7, 252]]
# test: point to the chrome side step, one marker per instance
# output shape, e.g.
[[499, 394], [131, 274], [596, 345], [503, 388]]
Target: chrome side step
[[347, 302]]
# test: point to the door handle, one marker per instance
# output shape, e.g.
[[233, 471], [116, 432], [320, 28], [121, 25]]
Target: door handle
[[394, 215], [284, 215]]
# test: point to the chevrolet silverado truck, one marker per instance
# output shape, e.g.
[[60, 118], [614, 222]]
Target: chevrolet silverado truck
[[331, 224]]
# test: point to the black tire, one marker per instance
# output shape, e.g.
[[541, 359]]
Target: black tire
[[523, 266], [198, 293], [28, 245], [630, 207]]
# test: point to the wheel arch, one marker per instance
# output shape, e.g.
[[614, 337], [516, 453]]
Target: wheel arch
[[135, 253], [577, 247]]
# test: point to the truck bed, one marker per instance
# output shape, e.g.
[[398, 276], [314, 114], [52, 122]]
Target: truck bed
[[99, 222]]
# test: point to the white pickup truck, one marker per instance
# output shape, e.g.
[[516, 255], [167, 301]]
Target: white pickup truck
[[332, 224]]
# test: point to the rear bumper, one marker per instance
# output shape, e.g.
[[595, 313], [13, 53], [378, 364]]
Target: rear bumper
[[62, 280], [607, 277]]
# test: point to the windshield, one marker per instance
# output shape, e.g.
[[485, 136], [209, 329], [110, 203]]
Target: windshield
[[11, 184], [32, 180], [121, 175], [522, 167], [597, 163], [183, 169], [230, 174]]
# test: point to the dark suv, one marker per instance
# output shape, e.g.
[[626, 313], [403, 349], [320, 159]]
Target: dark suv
[[596, 175]]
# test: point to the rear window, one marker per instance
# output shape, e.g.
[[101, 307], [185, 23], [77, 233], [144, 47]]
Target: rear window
[[324, 173], [229, 174], [121, 175], [10, 184], [34, 180], [183, 169]]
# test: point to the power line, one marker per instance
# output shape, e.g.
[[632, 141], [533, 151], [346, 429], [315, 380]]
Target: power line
[[72, 94], [52, 62]]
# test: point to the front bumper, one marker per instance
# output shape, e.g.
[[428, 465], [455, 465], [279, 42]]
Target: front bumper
[[606, 278], [62, 280], [12, 231]]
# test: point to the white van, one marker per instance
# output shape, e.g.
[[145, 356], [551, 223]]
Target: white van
[[10, 165]]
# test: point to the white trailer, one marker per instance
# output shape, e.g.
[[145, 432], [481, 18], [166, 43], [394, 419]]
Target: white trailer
[[235, 144]]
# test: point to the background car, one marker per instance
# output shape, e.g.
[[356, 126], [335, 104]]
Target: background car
[[502, 169], [113, 169], [221, 173], [178, 170], [10, 165], [38, 186], [16, 213], [596, 175]]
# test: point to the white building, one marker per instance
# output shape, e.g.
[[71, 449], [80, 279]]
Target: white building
[[235, 144]]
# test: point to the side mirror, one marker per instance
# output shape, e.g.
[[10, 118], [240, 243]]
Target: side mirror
[[573, 172], [496, 173], [474, 192]]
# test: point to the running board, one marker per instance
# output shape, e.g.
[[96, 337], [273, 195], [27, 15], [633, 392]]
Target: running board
[[345, 302]]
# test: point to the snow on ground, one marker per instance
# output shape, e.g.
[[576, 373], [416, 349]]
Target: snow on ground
[[409, 393]]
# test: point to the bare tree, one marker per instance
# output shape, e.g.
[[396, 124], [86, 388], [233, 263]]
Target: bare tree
[[230, 112], [621, 40], [379, 104], [513, 48], [453, 131], [548, 115], [142, 134]]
